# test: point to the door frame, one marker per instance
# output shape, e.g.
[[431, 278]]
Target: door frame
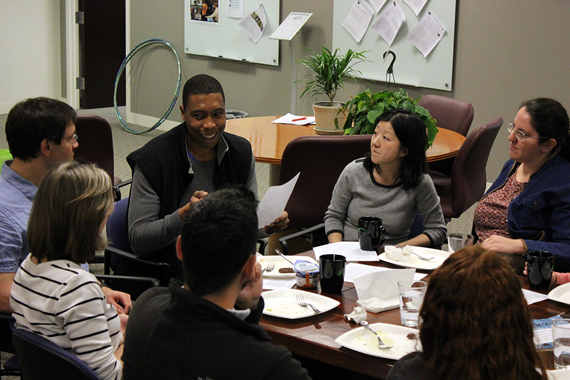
[[72, 52]]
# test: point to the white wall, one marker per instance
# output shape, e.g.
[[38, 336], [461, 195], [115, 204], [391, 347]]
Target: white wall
[[30, 53]]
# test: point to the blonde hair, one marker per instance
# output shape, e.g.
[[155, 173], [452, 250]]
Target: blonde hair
[[72, 202]]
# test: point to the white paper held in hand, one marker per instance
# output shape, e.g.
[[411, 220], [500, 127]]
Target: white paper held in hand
[[274, 201]]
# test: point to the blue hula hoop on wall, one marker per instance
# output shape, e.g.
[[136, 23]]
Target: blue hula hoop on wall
[[122, 68]]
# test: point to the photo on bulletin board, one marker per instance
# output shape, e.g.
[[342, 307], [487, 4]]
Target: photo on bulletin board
[[205, 11], [229, 39]]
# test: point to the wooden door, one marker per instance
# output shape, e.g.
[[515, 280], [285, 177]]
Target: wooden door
[[102, 50]]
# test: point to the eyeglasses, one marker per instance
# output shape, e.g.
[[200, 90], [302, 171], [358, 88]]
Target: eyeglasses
[[520, 135], [74, 138]]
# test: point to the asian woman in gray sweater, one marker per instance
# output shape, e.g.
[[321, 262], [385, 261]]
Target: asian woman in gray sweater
[[390, 183]]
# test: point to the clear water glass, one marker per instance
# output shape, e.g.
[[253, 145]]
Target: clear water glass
[[411, 297]]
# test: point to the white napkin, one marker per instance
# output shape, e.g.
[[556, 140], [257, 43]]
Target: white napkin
[[358, 315], [378, 291]]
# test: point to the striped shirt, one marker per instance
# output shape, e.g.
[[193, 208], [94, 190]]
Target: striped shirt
[[63, 303]]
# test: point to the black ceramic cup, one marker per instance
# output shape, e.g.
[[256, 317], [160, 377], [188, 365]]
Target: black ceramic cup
[[332, 273], [370, 233], [539, 269]]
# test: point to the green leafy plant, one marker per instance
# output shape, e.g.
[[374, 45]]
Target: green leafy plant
[[365, 108], [328, 71]]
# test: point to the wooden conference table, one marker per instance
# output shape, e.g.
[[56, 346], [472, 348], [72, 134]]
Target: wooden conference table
[[268, 140], [313, 337]]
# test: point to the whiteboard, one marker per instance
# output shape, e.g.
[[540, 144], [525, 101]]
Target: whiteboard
[[410, 68], [226, 39]]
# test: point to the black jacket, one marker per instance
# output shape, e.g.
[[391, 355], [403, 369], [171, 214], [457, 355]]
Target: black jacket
[[174, 334]]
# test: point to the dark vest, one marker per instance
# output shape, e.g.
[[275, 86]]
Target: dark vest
[[164, 163]]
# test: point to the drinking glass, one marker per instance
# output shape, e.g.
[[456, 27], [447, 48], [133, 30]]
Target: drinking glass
[[561, 339], [411, 297], [456, 241]]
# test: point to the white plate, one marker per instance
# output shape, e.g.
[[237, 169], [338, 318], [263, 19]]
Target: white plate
[[364, 341], [434, 263], [280, 262], [283, 303], [560, 294]]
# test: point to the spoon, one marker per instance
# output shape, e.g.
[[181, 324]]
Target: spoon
[[282, 255]]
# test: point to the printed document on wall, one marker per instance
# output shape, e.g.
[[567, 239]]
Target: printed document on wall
[[235, 9], [416, 5], [389, 22], [377, 4], [254, 23], [357, 20], [427, 34]]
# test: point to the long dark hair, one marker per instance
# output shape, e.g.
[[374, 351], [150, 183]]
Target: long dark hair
[[550, 120], [412, 133], [476, 323]]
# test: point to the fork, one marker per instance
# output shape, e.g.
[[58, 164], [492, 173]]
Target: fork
[[301, 302], [268, 268], [420, 257], [381, 344], [426, 258]]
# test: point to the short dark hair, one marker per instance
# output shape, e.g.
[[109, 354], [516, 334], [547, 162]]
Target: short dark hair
[[71, 203], [550, 120], [201, 84], [33, 120], [412, 133], [218, 237]]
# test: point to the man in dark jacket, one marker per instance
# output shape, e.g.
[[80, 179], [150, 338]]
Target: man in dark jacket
[[178, 168], [207, 327]]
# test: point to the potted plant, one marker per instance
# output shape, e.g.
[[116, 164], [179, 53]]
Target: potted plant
[[327, 72], [365, 108]]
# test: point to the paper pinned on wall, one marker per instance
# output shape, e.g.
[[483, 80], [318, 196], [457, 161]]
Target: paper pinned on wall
[[389, 22], [427, 34], [377, 4], [254, 23], [416, 5], [357, 20], [234, 9]]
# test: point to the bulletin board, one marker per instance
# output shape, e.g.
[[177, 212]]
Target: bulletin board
[[227, 39], [410, 68]]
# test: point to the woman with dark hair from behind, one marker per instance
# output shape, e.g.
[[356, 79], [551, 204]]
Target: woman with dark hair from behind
[[476, 324], [391, 183], [52, 296]]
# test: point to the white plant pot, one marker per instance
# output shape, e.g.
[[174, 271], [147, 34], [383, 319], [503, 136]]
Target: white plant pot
[[325, 116]]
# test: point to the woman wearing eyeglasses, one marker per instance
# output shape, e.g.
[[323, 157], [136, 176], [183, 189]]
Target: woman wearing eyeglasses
[[528, 206]]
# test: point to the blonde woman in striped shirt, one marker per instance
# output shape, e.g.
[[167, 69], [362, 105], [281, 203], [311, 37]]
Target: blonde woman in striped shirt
[[52, 296]]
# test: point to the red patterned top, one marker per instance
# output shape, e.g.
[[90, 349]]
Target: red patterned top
[[492, 211]]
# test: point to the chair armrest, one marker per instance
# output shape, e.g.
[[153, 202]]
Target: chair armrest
[[283, 240], [152, 281], [117, 191], [163, 268], [133, 257], [262, 245]]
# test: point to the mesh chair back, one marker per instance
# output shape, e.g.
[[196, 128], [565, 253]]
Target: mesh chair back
[[41, 359]]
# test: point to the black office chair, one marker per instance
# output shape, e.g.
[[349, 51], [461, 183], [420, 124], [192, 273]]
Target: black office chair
[[12, 365], [41, 359], [120, 258]]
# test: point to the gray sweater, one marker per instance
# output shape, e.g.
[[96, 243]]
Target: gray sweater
[[357, 194]]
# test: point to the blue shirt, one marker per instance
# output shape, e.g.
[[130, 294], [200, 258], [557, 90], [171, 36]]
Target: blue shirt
[[16, 198]]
